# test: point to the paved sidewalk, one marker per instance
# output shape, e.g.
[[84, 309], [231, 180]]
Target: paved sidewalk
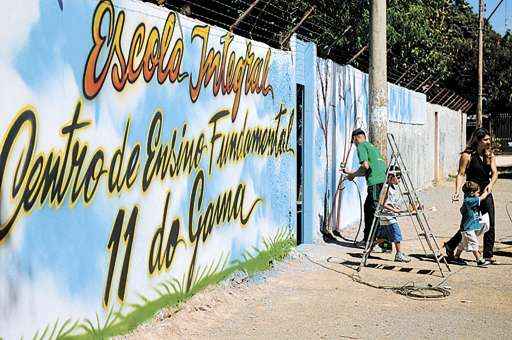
[[313, 295]]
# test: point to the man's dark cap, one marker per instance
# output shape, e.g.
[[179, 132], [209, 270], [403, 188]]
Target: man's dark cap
[[358, 132]]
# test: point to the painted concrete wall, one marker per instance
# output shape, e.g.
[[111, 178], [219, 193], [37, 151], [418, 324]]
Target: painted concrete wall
[[305, 74], [342, 105], [125, 170], [95, 215], [341, 93], [452, 137], [417, 144]]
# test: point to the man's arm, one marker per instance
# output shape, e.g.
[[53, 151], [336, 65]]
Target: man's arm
[[362, 154], [361, 171]]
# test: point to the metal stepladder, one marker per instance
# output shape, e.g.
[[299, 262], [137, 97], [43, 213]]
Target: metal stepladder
[[414, 209]]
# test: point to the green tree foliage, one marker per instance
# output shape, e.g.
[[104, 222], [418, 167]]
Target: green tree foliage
[[434, 39], [437, 38]]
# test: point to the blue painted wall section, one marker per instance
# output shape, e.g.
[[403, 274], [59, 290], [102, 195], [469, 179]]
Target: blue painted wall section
[[306, 75], [166, 156], [345, 89], [175, 167]]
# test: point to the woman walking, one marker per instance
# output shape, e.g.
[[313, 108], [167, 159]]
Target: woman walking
[[478, 164]]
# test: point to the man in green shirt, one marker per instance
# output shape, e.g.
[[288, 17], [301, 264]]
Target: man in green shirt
[[373, 167]]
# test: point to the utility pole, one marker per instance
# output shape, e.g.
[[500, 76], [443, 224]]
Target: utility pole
[[378, 101], [479, 107]]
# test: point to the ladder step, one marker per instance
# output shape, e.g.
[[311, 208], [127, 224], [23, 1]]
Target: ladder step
[[410, 197]]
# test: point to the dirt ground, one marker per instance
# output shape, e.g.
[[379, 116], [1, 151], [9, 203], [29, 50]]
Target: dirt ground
[[312, 294]]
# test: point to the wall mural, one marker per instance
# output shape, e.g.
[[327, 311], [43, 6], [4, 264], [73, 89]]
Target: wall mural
[[341, 106], [142, 154]]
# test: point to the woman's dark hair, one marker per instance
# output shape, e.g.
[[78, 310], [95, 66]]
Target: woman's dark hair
[[476, 137], [472, 145]]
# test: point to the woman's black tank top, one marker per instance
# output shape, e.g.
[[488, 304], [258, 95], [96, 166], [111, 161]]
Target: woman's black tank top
[[478, 171]]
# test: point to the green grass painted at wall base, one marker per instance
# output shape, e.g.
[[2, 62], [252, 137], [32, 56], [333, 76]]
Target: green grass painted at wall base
[[171, 293]]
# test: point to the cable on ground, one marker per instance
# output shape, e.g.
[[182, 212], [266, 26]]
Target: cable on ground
[[410, 289]]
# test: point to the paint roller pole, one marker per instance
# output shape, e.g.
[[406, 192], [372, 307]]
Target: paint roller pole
[[378, 96]]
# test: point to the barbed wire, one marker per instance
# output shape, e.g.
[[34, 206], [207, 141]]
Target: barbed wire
[[224, 25], [269, 22]]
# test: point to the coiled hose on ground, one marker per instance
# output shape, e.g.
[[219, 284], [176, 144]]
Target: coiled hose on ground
[[330, 221]]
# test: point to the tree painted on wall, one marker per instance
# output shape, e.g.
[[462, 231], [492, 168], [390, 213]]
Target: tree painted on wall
[[322, 116]]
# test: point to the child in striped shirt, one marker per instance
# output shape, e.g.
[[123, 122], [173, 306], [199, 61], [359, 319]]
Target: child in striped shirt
[[389, 228]]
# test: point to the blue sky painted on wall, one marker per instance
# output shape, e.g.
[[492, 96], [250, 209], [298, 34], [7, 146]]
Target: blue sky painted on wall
[[54, 263]]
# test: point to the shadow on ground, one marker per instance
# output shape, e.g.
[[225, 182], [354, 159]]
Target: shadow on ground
[[355, 264], [346, 243]]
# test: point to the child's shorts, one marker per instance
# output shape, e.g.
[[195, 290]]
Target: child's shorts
[[390, 232], [470, 238], [469, 241]]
